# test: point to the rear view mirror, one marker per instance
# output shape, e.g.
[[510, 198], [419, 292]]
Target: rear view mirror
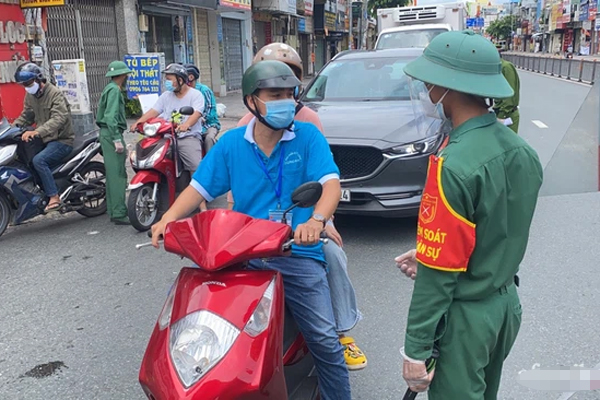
[[307, 195], [186, 110]]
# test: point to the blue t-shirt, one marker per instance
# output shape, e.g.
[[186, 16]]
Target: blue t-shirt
[[232, 164]]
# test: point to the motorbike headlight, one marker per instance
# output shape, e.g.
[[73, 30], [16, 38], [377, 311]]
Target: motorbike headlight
[[198, 342], [7, 153], [413, 149], [259, 321], [133, 158], [147, 163], [151, 129]]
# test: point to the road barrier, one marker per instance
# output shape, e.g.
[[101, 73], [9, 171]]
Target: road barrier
[[580, 70]]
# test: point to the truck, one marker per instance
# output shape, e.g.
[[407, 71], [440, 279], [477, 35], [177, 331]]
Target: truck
[[404, 27]]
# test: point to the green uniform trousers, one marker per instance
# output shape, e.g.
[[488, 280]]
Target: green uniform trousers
[[477, 340], [116, 175]]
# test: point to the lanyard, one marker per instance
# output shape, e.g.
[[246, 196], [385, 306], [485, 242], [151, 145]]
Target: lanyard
[[276, 185]]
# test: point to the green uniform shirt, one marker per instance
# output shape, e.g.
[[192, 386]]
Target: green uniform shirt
[[492, 178], [111, 111], [505, 107]]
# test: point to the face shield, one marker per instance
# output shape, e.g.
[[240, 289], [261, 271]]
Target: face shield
[[426, 122]]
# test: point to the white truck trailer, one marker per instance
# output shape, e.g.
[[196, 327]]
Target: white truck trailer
[[403, 27]]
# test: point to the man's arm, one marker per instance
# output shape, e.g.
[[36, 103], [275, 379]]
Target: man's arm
[[332, 191], [434, 288], [25, 117], [59, 115]]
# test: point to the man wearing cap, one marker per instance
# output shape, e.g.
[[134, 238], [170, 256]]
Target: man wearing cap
[[111, 120], [507, 110], [473, 227]]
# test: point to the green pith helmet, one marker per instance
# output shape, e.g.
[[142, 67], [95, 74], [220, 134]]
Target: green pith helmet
[[464, 62], [117, 68], [268, 74]]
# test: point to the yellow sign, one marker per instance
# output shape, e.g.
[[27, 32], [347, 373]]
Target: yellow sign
[[41, 3]]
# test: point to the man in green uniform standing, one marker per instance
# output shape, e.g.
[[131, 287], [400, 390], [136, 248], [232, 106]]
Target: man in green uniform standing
[[509, 107], [474, 220], [111, 120]]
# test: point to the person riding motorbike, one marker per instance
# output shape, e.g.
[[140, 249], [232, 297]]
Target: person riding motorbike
[[262, 164], [177, 95], [46, 106], [211, 126], [343, 295]]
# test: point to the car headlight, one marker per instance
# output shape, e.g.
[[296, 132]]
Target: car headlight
[[413, 149], [259, 320], [198, 342], [151, 129], [149, 162]]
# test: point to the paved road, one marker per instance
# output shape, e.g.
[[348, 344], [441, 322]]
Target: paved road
[[74, 293]]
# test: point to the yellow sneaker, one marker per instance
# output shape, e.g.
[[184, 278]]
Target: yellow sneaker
[[355, 358]]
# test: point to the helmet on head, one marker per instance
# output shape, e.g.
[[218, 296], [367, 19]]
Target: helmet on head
[[268, 75], [178, 70], [117, 68], [193, 70], [463, 62], [281, 52], [27, 72]]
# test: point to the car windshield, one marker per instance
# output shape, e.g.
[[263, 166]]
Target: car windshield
[[373, 79], [407, 39]]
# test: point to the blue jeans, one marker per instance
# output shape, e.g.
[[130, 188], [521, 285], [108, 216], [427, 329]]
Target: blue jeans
[[47, 159], [308, 298], [343, 297]]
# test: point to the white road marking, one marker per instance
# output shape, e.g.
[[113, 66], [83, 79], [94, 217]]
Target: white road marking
[[539, 124], [568, 395]]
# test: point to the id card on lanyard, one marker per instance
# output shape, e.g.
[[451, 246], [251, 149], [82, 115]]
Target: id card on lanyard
[[275, 215]]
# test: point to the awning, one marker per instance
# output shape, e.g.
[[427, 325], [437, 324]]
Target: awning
[[171, 7]]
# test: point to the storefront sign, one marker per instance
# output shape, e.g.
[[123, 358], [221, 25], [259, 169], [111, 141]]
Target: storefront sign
[[330, 21], [300, 7], [262, 17], [41, 3], [597, 24], [7, 71], [593, 10], [12, 32], [583, 10], [145, 78], [291, 6], [566, 17], [301, 25], [239, 4], [309, 7]]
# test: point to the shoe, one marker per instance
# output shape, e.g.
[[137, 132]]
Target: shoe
[[120, 221], [355, 358]]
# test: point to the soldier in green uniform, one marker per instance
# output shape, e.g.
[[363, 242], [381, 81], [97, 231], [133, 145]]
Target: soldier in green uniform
[[473, 227], [509, 107], [111, 120]]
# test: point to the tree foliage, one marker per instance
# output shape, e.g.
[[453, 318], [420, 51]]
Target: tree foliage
[[376, 4], [502, 28]]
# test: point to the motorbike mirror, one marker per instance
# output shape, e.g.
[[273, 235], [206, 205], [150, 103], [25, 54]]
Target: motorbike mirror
[[186, 110], [307, 195]]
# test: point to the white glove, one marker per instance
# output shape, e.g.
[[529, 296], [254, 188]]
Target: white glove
[[119, 148]]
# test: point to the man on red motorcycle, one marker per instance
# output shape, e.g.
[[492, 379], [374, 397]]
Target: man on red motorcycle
[[262, 164], [178, 95]]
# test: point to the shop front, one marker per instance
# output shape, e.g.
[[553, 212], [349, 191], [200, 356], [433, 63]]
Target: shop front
[[235, 41], [330, 32], [13, 51]]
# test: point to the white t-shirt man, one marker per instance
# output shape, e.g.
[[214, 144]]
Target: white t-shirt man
[[169, 102]]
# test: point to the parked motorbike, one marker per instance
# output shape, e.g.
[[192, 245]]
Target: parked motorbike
[[224, 332], [159, 172], [80, 181]]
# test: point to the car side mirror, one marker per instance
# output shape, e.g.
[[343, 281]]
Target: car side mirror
[[186, 110]]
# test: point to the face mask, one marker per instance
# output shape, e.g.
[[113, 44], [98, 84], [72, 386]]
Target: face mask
[[33, 89], [431, 109], [280, 113], [169, 86]]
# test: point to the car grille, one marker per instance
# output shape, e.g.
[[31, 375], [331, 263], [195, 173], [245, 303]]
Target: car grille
[[356, 161]]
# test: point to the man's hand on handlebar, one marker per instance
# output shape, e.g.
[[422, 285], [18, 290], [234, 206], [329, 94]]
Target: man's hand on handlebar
[[183, 127], [309, 233], [29, 135], [158, 230]]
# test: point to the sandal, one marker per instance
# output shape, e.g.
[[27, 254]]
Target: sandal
[[54, 206]]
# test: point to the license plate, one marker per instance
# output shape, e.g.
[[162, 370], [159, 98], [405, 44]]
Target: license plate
[[345, 196]]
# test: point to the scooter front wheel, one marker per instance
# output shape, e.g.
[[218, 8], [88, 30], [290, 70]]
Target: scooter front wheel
[[5, 213], [142, 208]]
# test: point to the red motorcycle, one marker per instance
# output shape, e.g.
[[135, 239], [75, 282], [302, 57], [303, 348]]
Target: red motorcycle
[[159, 172], [224, 332]]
